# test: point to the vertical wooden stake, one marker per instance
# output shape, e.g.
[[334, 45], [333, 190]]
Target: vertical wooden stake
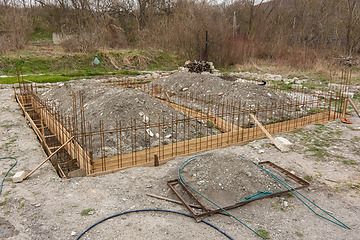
[[156, 160], [345, 106]]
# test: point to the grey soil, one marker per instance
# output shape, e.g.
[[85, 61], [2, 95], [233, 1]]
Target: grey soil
[[130, 107], [48, 207]]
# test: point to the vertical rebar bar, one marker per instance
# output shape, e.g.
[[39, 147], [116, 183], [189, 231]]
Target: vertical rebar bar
[[117, 142], [132, 141], [159, 137], [121, 154], [163, 137], [135, 139], [172, 135]]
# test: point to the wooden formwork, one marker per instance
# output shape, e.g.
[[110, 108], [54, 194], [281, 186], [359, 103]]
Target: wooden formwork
[[220, 123], [168, 152], [56, 128], [231, 134]]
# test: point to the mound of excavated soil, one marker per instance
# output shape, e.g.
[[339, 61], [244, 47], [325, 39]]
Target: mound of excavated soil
[[249, 95], [106, 103], [128, 106], [218, 174], [210, 86]]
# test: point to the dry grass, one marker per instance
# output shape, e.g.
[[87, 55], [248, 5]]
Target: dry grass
[[323, 70]]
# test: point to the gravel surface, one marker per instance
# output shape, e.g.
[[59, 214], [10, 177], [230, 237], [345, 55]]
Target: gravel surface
[[236, 93], [45, 206], [129, 107], [210, 86]]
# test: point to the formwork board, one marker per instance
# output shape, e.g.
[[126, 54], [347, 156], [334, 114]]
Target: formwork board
[[169, 151]]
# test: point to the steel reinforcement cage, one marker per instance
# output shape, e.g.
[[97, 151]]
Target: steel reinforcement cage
[[206, 123]]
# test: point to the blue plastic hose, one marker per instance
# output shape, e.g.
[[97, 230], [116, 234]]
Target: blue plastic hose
[[152, 210]]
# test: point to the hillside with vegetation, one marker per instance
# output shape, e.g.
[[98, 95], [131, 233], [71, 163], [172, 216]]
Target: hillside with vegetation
[[317, 36]]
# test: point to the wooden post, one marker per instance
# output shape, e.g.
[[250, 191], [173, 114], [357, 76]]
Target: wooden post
[[156, 160], [344, 108]]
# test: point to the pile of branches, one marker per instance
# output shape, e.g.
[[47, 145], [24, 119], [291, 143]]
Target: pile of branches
[[198, 66]]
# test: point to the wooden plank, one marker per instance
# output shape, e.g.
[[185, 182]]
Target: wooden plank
[[263, 129], [33, 125], [73, 148], [344, 108], [219, 123], [354, 106], [48, 158]]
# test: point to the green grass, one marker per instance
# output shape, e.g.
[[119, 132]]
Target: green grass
[[356, 96], [86, 211], [318, 152], [41, 32], [76, 65], [35, 78], [265, 234], [350, 162], [307, 177]]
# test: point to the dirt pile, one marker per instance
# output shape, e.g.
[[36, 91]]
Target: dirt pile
[[212, 89], [130, 107], [218, 174], [210, 86]]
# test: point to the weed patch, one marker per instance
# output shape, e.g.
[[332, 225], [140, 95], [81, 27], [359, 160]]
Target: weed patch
[[88, 211], [350, 162], [265, 234]]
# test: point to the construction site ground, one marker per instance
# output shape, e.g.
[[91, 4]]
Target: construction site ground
[[45, 206]]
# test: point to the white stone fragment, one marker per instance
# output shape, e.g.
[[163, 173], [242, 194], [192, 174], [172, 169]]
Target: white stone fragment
[[18, 177], [146, 119], [151, 134], [283, 144]]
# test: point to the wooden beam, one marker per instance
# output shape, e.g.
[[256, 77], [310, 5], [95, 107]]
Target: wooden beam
[[354, 106], [48, 158], [73, 148], [219, 123], [263, 129]]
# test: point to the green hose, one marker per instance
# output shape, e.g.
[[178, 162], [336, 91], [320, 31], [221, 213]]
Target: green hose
[[298, 194], [183, 181], [2, 182]]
